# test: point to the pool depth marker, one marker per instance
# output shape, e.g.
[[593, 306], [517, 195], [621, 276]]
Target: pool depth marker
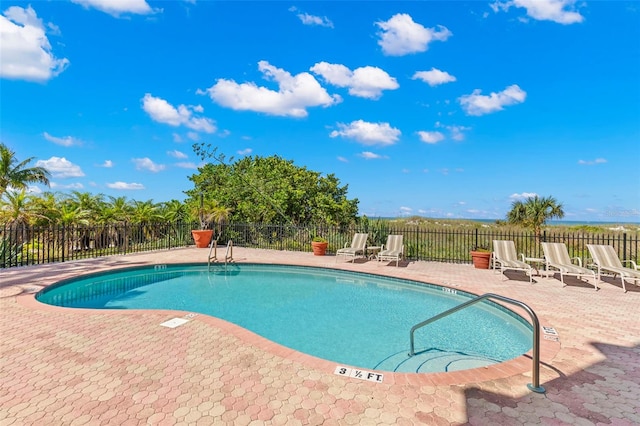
[[370, 376]]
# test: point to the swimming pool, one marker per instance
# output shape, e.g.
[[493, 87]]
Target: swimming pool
[[358, 319]]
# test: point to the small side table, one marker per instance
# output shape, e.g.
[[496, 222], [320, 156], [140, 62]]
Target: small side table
[[539, 261], [372, 251]]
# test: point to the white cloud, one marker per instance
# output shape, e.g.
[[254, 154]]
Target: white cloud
[[368, 133], [365, 82], [107, 164], [434, 77], [177, 154], [146, 164], [33, 190], [186, 165], [294, 95], [524, 195], [307, 19], [245, 151], [368, 155], [163, 112], [118, 7], [64, 141], [455, 132], [60, 167], [477, 104], [401, 36], [592, 162], [124, 185], [560, 11], [193, 136], [24, 47], [76, 185], [342, 159], [431, 137], [177, 138]]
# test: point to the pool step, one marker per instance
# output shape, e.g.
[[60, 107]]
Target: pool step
[[432, 361]]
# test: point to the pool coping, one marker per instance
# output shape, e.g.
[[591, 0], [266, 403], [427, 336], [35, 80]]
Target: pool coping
[[521, 365]]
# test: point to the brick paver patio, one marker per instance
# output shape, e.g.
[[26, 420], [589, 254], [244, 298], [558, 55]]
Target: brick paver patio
[[96, 367]]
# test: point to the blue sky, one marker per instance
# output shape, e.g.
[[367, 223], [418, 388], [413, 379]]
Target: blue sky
[[438, 109]]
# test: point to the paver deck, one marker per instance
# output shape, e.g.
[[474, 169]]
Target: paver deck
[[78, 366]]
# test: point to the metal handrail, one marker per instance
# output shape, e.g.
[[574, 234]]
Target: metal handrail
[[535, 372], [228, 257]]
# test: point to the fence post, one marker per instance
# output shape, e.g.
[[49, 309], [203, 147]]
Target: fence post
[[624, 246], [64, 243], [476, 244]]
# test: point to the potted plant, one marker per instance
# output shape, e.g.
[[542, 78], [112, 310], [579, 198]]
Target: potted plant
[[207, 212], [481, 257], [319, 245]]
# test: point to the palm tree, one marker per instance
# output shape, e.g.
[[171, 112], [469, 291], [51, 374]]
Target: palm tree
[[220, 215], [534, 212], [118, 209], [14, 208], [173, 211], [89, 202], [16, 174]]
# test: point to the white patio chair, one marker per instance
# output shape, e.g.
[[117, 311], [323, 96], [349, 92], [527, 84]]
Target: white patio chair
[[556, 256], [606, 259], [356, 249], [393, 250], [504, 255]]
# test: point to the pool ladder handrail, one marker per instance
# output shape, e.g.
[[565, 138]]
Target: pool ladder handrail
[[228, 253], [535, 372]]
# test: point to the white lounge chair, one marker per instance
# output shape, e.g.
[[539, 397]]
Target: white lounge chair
[[556, 256], [393, 250], [356, 249], [504, 255], [606, 259]]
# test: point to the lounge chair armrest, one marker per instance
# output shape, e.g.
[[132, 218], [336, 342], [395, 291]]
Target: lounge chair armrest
[[631, 262], [578, 259], [522, 257]]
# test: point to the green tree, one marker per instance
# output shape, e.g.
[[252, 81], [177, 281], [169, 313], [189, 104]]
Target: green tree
[[16, 174], [46, 207], [16, 209], [173, 211], [534, 212], [145, 212], [116, 210], [272, 190], [92, 203]]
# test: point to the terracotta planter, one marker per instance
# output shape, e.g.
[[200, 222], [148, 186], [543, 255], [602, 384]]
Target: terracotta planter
[[202, 237], [481, 259], [319, 248]]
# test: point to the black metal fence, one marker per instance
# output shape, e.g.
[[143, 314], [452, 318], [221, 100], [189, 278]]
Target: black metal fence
[[21, 245]]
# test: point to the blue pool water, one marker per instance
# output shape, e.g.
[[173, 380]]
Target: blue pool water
[[358, 319]]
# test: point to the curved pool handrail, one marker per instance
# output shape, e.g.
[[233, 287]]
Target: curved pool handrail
[[228, 253], [535, 371]]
